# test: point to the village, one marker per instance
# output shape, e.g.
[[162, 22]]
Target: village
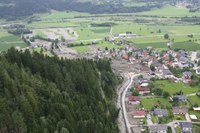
[[166, 97], [163, 97]]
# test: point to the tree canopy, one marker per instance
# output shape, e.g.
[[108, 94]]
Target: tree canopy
[[41, 94]]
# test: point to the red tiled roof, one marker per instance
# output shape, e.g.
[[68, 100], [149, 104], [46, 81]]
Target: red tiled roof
[[139, 113], [168, 63], [134, 98], [137, 86], [125, 57]]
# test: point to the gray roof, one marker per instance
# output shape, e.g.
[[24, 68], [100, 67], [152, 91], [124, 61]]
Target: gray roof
[[187, 73], [167, 72], [184, 59], [181, 97], [157, 128], [198, 56], [185, 125], [183, 53], [177, 110], [162, 112], [157, 64]]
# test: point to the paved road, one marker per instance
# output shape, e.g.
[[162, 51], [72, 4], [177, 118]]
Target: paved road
[[187, 116], [193, 94], [121, 121], [124, 89], [149, 121], [90, 40]]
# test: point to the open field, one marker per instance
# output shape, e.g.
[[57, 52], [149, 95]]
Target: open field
[[8, 40], [81, 49], [81, 23], [4, 47], [194, 100], [190, 46], [61, 15], [86, 33], [175, 87], [170, 11], [104, 44], [148, 103]]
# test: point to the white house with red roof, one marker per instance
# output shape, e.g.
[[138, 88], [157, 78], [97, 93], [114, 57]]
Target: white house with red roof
[[144, 91], [139, 114], [133, 99]]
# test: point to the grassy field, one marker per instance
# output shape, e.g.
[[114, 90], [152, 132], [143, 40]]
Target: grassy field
[[190, 46], [148, 103], [4, 47], [51, 24], [170, 11], [104, 44], [196, 128], [194, 100], [124, 22], [150, 32], [87, 33], [175, 87], [40, 33], [81, 49], [7, 41], [61, 15]]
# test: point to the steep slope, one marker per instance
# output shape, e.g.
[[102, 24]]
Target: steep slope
[[18, 8], [40, 94]]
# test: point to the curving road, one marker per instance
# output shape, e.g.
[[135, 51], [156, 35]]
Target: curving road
[[122, 95]]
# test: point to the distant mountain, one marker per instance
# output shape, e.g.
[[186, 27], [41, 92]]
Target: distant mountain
[[18, 8]]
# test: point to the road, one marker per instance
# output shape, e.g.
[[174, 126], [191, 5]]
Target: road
[[149, 121], [122, 95], [90, 40], [121, 99], [193, 94]]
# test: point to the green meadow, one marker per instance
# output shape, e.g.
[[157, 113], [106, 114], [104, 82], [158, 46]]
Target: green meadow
[[124, 22], [175, 87], [81, 49], [7, 41], [148, 103], [104, 44], [170, 11]]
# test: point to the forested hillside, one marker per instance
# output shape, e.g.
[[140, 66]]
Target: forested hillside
[[12, 9], [41, 94]]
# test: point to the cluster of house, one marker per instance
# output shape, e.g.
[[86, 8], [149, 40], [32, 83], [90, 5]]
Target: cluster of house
[[121, 53], [160, 60], [162, 128], [186, 127], [126, 35], [134, 100], [159, 64], [141, 84]]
